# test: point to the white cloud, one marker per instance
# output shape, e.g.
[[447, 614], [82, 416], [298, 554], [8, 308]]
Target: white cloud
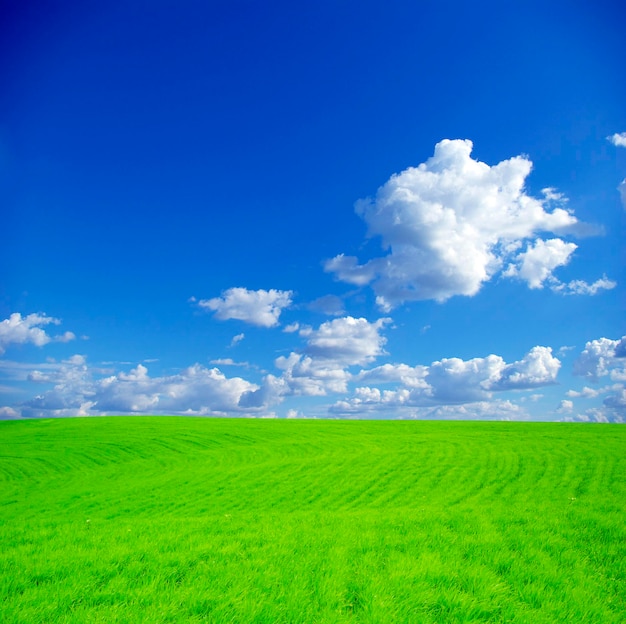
[[8, 413], [347, 340], [537, 263], [408, 376], [195, 390], [448, 382], [320, 369], [453, 380], [258, 307], [586, 393], [18, 329], [236, 340], [618, 139], [348, 269], [451, 224], [622, 191], [497, 409], [307, 376], [329, 351], [537, 368], [229, 362], [604, 414], [293, 413], [602, 357], [565, 407], [291, 328], [605, 358], [580, 287]]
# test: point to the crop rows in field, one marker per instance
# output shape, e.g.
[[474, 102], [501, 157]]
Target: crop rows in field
[[175, 519]]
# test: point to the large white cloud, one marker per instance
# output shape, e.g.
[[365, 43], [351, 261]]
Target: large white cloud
[[18, 329], [258, 307], [452, 223]]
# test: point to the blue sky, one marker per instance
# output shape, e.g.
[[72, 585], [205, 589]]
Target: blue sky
[[336, 209]]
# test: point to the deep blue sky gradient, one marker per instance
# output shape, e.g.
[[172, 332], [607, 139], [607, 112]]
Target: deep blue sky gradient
[[155, 151]]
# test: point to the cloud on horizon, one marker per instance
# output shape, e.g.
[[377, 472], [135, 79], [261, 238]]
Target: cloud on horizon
[[195, 391], [451, 381], [447, 388]]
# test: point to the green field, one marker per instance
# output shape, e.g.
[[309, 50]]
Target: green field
[[209, 520]]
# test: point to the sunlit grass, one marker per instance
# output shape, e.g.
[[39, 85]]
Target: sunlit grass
[[202, 520]]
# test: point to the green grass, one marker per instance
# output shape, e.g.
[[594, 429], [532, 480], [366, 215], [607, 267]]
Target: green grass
[[208, 520]]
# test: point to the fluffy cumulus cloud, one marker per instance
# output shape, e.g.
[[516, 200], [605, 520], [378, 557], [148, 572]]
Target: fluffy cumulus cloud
[[346, 340], [537, 368], [18, 329], [78, 390], [452, 223], [408, 376], [329, 351], [195, 390], [603, 359], [320, 368], [448, 382], [536, 264], [257, 307], [618, 139]]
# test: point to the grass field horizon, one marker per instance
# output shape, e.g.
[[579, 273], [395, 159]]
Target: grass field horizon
[[174, 519]]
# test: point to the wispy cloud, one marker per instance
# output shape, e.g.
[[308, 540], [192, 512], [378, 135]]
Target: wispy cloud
[[236, 340], [328, 304], [580, 287]]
